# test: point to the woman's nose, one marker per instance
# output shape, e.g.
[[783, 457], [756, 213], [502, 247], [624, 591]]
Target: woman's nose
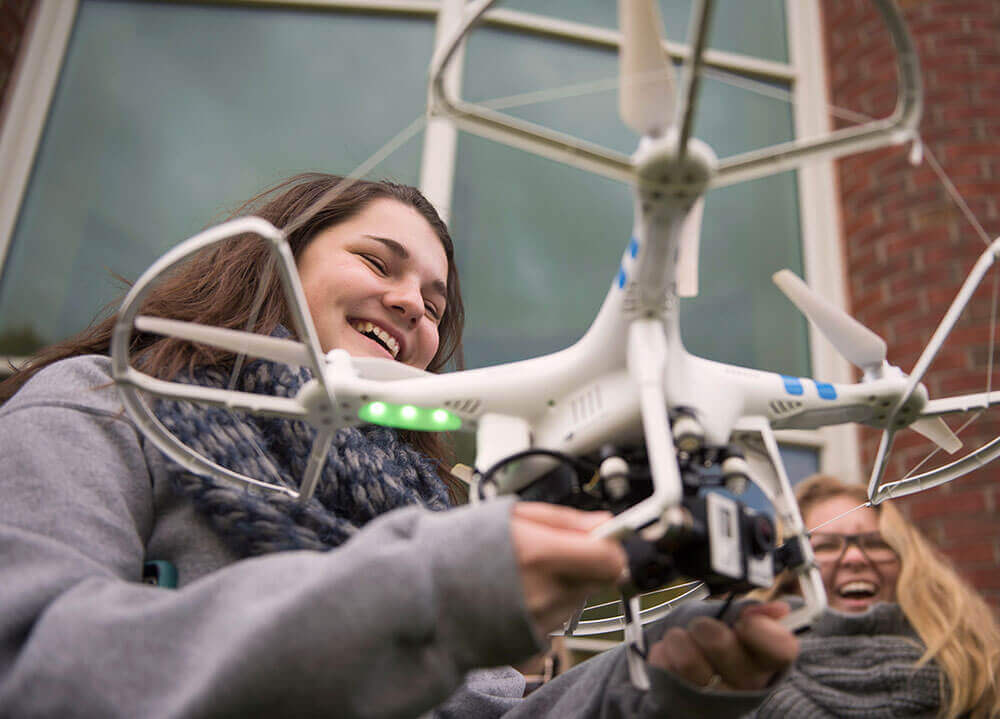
[[406, 299], [853, 555]]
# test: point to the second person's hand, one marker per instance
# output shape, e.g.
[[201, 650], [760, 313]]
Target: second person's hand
[[747, 656]]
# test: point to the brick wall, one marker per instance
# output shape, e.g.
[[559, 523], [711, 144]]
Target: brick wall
[[14, 16], [908, 247]]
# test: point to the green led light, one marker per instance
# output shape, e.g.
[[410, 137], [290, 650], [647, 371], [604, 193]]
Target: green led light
[[409, 416]]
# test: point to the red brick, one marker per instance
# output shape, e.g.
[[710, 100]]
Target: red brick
[[984, 578], [963, 384], [934, 502], [982, 554]]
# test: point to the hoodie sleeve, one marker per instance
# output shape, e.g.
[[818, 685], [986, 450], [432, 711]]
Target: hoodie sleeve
[[387, 625]]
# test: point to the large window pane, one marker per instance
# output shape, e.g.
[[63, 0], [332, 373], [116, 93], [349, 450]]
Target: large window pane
[[167, 113]]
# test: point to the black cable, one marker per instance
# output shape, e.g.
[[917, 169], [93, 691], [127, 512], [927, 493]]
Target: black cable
[[725, 606], [574, 462]]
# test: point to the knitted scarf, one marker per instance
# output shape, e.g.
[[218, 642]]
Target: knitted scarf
[[368, 471], [858, 665]]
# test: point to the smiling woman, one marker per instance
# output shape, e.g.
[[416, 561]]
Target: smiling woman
[[376, 284], [904, 635], [859, 568]]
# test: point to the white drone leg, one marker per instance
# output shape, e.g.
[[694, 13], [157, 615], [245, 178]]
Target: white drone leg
[[635, 643], [498, 436], [778, 489], [647, 352]]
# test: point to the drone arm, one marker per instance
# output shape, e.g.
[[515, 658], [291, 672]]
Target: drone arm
[[533, 138], [246, 401], [273, 348], [964, 403]]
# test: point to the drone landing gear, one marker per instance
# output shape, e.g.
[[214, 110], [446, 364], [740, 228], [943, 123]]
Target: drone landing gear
[[712, 535]]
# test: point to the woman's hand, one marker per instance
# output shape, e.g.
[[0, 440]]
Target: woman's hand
[[559, 562], [746, 656]]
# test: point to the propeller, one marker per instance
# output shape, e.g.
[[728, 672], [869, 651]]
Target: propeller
[[647, 85], [862, 347], [272, 348], [937, 431]]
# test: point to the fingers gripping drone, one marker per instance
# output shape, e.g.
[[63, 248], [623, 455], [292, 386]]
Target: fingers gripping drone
[[625, 419]]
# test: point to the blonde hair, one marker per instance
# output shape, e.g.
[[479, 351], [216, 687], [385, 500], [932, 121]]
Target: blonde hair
[[958, 628]]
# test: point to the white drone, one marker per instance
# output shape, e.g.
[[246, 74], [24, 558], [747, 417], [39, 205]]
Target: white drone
[[628, 381]]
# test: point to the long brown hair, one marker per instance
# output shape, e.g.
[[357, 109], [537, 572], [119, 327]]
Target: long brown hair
[[957, 627], [219, 286]]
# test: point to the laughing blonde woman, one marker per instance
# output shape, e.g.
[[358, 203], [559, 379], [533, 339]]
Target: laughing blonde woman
[[904, 634]]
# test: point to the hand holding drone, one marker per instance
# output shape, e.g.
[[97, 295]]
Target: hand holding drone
[[625, 419]]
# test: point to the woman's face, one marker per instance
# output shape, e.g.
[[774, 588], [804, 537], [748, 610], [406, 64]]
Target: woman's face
[[375, 284], [854, 578]]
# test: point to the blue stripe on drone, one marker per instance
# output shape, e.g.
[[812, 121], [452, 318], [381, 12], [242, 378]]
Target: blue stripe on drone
[[826, 390], [792, 385], [621, 277], [633, 247]]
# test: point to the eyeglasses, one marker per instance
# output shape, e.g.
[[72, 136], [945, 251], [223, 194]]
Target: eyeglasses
[[829, 548]]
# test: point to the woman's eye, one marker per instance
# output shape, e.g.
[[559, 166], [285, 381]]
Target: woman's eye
[[826, 546], [432, 312], [376, 263]]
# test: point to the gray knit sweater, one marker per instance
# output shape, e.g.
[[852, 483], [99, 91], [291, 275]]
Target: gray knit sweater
[[858, 665]]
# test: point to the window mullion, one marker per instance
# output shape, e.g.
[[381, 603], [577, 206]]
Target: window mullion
[[820, 217]]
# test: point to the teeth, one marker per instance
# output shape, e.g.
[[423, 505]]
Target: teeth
[[858, 588], [368, 328]]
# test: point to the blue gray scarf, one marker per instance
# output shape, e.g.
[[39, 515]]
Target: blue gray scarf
[[369, 470]]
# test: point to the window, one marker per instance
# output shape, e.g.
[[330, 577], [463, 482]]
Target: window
[[164, 116]]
